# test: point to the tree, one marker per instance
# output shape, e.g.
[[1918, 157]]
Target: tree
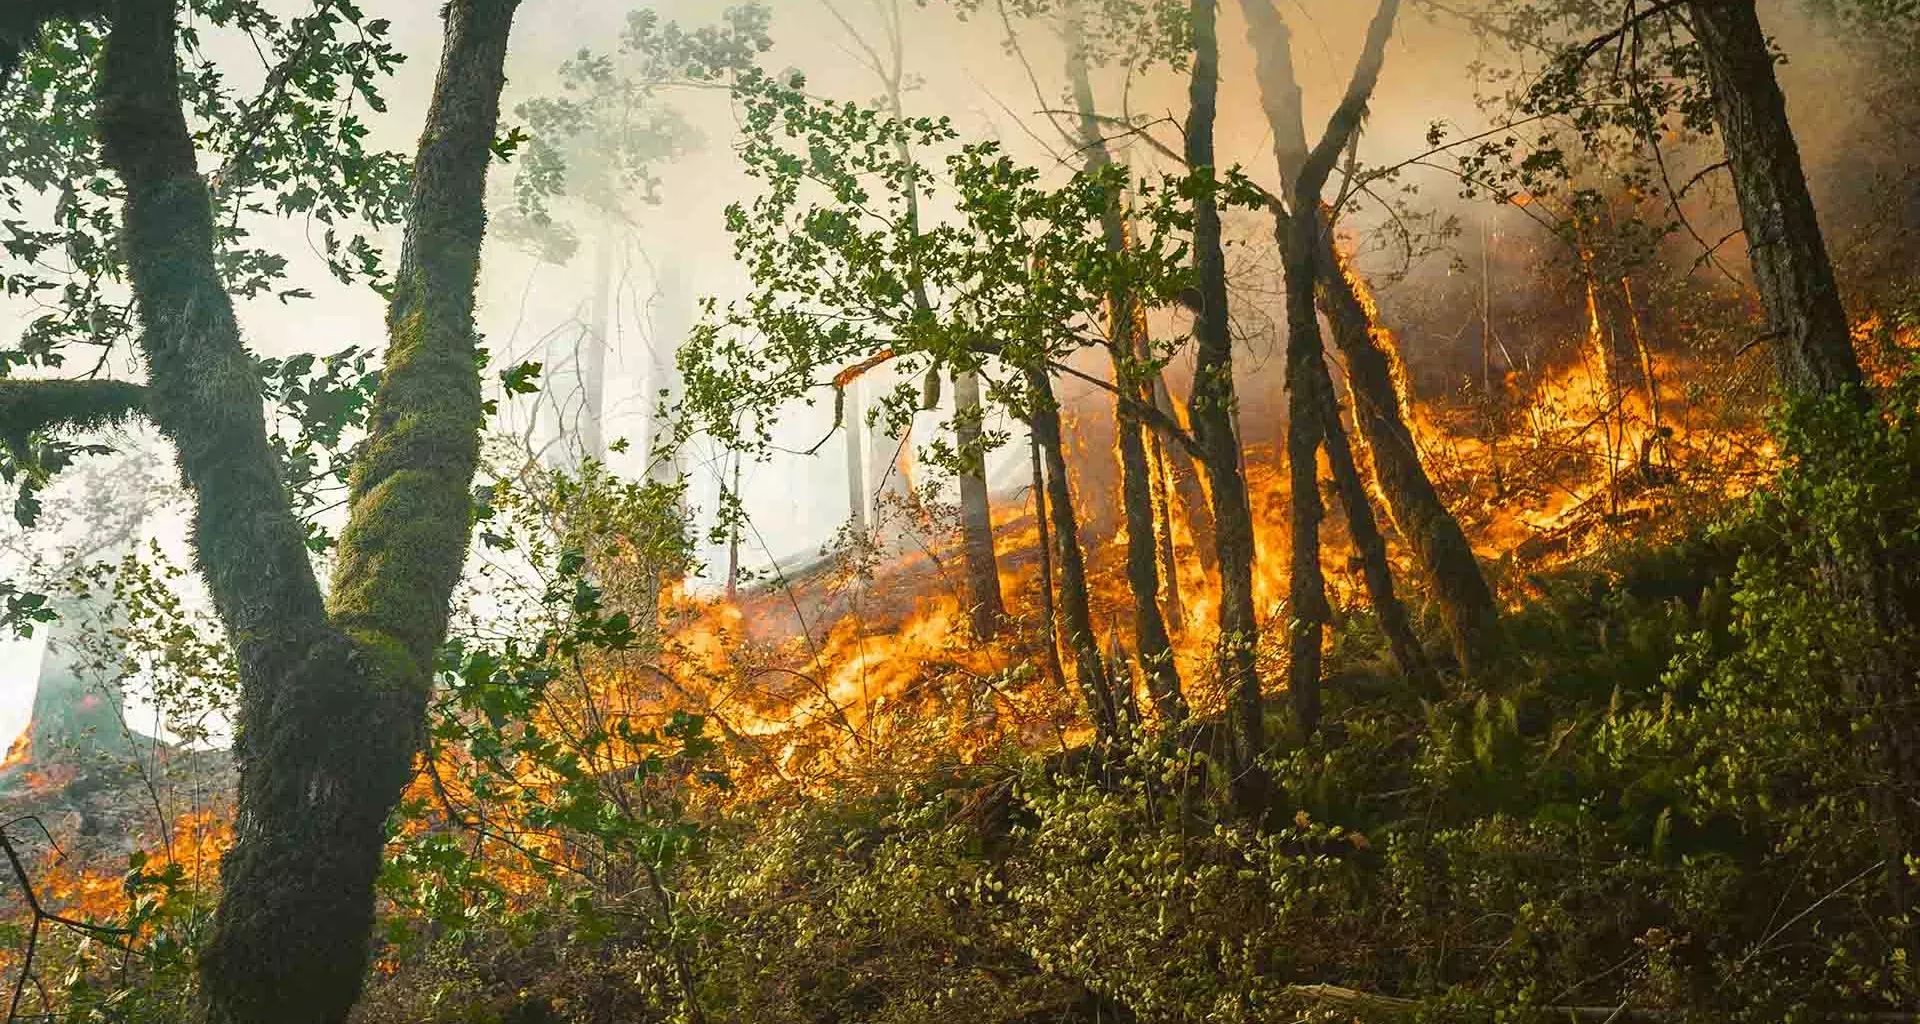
[[986, 606], [847, 277], [1212, 414], [1708, 66], [1813, 351], [592, 150], [1136, 372], [333, 687], [1312, 412], [1373, 373]]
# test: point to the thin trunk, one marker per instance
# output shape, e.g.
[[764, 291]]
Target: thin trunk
[[1143, 571], [1172, 607], [1439, 546], [1126, 345], [1373, 371], [1642, 352], [1813, 351], [1185, 478], [1213, 408], [592, 360], [1309, 384], [733, 540], [1049, 625], [333, 695], [1306, 430], [672, 321], [1076, 617], [1375, 565], [976, 513], [851, 422]]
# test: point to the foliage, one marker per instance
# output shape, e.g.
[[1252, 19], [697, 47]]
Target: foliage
[[851, 271], [598, 142], [548, 794], [296, 149]]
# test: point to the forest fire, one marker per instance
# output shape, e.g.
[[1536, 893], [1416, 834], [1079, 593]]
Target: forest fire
[[1296, 518], [1578, 461]]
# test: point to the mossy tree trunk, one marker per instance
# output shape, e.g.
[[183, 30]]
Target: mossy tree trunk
[[333, 693]]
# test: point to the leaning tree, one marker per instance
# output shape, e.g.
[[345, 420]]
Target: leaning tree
[[334, 682]]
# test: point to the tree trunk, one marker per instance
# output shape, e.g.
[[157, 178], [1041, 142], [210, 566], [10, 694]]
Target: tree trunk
[[733, 540], [672, 321], [1143, 570], [976, 512], [1213, 406], [1160, 468], [1440, 547], [851, 422], [1130, 354], [1077, 618], [1049, 624], [1813, 351], [1373, 371], [333, 697], [1309, 397], [1375, 566], [1185, 479], [1811, 343], [1306, 429]]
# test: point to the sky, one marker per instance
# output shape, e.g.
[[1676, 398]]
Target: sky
[[965, 72]]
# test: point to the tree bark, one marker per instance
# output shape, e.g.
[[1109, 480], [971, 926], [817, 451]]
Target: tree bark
[[1131, 355], [1375, 566], [1213, 407], [1308, 611], [1440, 547], [1076, 616], [1438, 544], [1173, 608], [1309, 384], [1049, 623], [976, 511], [1184, 477], [1813, 351], [1811, 344], [852, 422], [333, 697]]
